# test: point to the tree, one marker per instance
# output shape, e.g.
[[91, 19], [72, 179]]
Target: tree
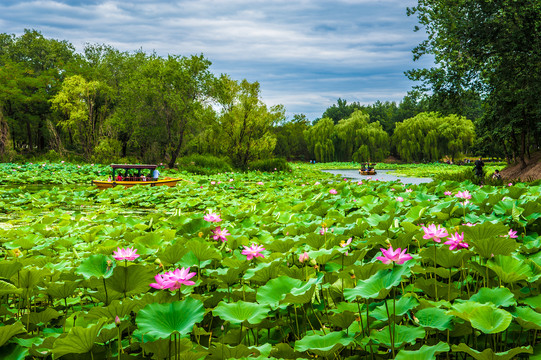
[[290, 142], [342, 110], [245, 123], [319, 139], [490, 49], [85, 106]]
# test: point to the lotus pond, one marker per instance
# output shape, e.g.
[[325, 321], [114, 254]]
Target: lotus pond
[[269, 265]]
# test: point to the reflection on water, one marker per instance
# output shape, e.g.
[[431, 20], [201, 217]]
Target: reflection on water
[[382, 175]]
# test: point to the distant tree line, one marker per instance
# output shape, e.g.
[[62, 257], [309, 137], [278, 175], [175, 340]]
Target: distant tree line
[[104, 105]]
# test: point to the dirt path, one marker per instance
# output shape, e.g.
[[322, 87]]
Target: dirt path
[[530, 173]]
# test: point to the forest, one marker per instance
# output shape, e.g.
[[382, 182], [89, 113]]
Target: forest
[[103, 105]]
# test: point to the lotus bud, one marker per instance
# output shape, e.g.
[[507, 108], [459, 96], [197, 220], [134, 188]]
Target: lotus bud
[[313, 262], [117, 321], [158, 262]]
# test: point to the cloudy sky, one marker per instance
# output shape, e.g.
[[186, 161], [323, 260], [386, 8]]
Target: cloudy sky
[[305, 53]]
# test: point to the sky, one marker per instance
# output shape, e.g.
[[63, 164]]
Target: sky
[[304, 53]]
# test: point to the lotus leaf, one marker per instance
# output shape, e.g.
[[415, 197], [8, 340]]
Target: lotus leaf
[[488, 240], [99, 266], [13, 352], [162, 320], [434, 318], [379, 285], [323, 345], [241, 311], [78, 341], [528, 318], [489, 354], [130, 280], [7, 331], [424, 353], [403, 305], [402, 335], [510, 269], [498, 296]]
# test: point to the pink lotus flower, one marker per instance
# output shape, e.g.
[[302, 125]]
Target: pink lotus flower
[[317, 183], [220, 234], [512, 234], [260, 183], [346, 243], [463, 195], [304, 257], [456, 241], [179, 277], [161, 282], [253, 251], [212, 217], [62, 162], [399, 199], [398, 256], [369, 178], [333, 191], [360, 183], [125, 254], [468, 224], [323, 230], [448, 193], [510, 184], [409, 190], [434, 233], [213, 182]]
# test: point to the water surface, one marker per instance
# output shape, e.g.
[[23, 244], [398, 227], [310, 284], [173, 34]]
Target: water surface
[[382, 175]]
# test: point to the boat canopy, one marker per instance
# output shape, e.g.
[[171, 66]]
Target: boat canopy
[[129, 166]]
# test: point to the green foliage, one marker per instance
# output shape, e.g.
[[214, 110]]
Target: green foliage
[[204, 164], [270, 165]]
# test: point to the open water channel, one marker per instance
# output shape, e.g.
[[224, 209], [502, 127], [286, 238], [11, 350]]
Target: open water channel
[[382, 175]]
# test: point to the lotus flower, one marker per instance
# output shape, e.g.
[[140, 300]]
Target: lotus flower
[[360, 183], [399, 199], [434, 233], [304, 257], [179, 277], [398, 256], [456, 241], [463, 195], [512, 234], [346, 243], [253, 251], [161, 282], [317, 183], [333, 191], [125, 254], [409, 190], [448, 193], [212, 217], [220, 234], [260, 183]]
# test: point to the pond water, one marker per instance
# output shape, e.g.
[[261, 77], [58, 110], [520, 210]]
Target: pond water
[[382, 175]]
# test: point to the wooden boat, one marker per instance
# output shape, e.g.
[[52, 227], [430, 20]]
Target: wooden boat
[[135, 178], [367, 172]]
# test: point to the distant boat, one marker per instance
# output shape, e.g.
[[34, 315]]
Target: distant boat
[[367, 172], [133, 176]]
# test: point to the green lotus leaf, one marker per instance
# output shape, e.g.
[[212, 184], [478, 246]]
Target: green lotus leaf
[[29, 278], [434, 318], [162, 348], [488, 239], [241, 311], [424, 353], [463, 309], [445, 257], [8, 288], [13, 352], [402, 335], [428, 287], [162, 320], [172, 254], [116, 308], [342, 319], [263, 272], [528, 318], [498, 296], [78, 341], [99, 266], [403, 305], [490, 320], [202, 250], [42, 317], [276, 290], [62, 290], [9, 268], [533, 301], [224, 351], [510, 269], [379, 285], [489, 354], [303, 294], [8, 331], [131, 280], [323, 345]]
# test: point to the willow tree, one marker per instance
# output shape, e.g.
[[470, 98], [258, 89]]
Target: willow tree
[[85, 105], [429, 136], [245, 124], [319, 139]]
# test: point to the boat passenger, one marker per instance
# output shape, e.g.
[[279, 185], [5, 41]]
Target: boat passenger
[[155, 174], [119, 177], [143, 178], [109, 179]]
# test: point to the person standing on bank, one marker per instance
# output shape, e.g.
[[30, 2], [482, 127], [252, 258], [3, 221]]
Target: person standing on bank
[[155, 174], [478, 167]]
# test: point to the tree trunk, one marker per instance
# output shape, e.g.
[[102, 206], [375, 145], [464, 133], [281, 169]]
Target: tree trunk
[[523, 150], [176, 152]]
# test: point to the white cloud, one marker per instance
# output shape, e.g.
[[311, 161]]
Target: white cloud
[[305, 53]]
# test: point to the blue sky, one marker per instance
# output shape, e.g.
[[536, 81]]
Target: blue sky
[[305, 53]]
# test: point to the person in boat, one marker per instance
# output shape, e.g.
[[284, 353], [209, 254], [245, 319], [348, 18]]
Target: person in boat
[[497, 175], [109, 179], [119, 177], [143, 177], [155, 174]]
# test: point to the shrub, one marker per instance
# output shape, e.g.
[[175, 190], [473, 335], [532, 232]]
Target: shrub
[[204, 164], [107, 151], [276, 164]]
